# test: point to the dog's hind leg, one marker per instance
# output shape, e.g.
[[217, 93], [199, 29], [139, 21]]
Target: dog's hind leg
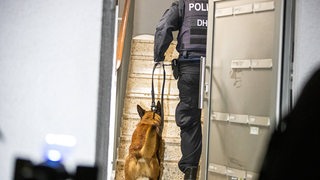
[[155, 169], [130, 167]]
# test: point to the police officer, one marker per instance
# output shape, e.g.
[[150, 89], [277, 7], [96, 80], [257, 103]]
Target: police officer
[[189, 17]]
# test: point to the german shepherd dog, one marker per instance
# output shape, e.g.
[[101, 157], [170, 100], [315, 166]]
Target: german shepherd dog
[[143, 160]]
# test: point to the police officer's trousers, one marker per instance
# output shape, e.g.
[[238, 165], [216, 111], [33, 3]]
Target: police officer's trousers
[[188, 115]]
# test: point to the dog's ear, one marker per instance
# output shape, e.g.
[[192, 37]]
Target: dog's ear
[[158, 108], [140, 111]]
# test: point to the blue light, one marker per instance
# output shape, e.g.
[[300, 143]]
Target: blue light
[[58, 147], [54, 155]]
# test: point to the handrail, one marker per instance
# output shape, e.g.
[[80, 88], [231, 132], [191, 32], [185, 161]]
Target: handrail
[[122, 33]]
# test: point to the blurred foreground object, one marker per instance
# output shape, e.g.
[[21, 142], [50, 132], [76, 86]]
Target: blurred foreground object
[[50, 170], [294, 147], [57, 148]]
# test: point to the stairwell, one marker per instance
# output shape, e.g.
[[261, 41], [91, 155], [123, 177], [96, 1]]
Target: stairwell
[[139, 92]]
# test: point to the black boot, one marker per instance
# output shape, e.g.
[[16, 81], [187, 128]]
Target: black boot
[[191, 173]]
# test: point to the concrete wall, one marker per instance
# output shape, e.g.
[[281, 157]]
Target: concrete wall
[[49, 75]]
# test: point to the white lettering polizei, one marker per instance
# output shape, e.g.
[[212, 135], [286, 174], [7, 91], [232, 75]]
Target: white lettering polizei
[[201, 22], [198, 6]]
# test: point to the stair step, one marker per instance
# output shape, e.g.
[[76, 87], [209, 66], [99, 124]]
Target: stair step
[[141, 64], [144, 85], [144, 47], [169, 77], [130, 105]]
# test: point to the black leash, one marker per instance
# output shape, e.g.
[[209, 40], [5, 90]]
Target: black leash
[[153, 104]]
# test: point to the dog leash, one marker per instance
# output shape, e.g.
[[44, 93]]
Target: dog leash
[[153, 104]]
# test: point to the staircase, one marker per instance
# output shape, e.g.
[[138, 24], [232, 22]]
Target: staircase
[[139, 92]]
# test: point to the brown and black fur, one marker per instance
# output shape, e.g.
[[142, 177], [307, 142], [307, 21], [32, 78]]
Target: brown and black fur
[[143, 159]]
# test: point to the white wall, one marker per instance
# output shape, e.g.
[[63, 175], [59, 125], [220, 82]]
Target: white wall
[[307, 43], [49, 67]]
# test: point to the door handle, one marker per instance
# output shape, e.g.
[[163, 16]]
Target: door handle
[[201, 81]]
